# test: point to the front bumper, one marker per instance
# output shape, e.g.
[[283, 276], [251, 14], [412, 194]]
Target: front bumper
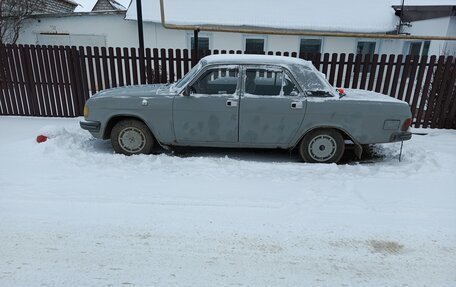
[[400, 136], [93, 127]]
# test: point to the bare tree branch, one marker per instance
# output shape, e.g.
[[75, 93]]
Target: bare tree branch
[[13, 14]]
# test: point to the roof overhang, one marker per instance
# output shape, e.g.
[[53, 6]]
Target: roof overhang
[[417, 13]]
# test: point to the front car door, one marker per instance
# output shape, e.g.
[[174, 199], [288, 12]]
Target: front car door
[[272, 107], [209, 113]]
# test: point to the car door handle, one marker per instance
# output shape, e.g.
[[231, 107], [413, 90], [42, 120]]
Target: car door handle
[[231, 103], [296, 105]]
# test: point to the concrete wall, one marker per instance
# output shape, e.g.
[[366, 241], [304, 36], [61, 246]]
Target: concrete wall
[[113, 31]]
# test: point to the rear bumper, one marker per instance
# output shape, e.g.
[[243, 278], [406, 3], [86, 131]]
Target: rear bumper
[[93, 127], [400, 136]]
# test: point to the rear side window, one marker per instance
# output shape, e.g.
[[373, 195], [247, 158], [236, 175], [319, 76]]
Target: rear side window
[[265, 82]]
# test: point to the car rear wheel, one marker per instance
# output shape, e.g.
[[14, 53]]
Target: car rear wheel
[[322, 146], [132, 137]]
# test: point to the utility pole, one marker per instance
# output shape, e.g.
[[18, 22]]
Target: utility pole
[[142, 66]]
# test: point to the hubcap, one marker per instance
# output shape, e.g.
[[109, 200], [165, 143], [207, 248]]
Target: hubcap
[[132, 139], [322, 148]]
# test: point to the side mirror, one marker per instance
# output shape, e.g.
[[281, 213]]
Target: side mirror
[[186, 91]]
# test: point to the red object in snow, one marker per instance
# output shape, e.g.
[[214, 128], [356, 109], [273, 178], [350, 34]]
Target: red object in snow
[[341, 91], [41, 139]]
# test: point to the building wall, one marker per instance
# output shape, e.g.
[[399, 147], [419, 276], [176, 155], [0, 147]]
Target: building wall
[[113, 31]]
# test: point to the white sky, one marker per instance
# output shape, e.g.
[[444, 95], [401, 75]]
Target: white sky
[[87, 5]]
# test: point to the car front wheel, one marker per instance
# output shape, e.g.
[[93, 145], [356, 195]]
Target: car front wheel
[[131, 137], [322, 146]]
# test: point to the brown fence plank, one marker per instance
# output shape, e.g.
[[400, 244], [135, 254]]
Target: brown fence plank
[[348, 71], [340, 70], [397, 72], [389, 72], [50, 87], [91, 69], [44, 80], [96, 52], [449, 97], [84, 77], [436, 80], [149, 70], [55, 85], [171, 65], [120, 73], [112, 67], [451, 119], [142, 66], [411, 79], [424, 93], [60, 83], [332, 69], [440, 95], [7, 85], [104, 64], [324, 69], [419, 82], [157, 70], [134, 66], [405, 75], [164, 70], [77, 93], [20, 66], [381, 71], [365, 69], [178, 64], [186, 60], [66, 81], [32, 97], [372, 72], [37, 81], [126, 57], [356, 71], [17, 78]]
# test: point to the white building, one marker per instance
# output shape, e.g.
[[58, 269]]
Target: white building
[[119, 28]]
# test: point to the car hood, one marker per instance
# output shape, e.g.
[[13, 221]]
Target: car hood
[[135, 91], [363, 95]]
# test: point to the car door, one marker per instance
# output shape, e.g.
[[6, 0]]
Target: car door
[[209, 112], [272, 106]]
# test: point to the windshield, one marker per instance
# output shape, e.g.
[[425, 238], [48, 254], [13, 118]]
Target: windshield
[[182, 82]]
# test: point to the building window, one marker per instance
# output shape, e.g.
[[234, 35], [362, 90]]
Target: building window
[[311, 46], [254, 45], [419, 48], [366, 48], [203, 43]]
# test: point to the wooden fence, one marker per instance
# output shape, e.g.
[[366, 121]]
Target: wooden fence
[[56, 81]]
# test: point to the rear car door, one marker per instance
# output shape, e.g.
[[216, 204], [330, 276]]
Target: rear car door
[[272, 106], [209, 114]]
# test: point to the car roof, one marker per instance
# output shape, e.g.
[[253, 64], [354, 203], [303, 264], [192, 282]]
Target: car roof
[[254, 59]]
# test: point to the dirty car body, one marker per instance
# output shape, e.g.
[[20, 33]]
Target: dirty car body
[[248, 101]]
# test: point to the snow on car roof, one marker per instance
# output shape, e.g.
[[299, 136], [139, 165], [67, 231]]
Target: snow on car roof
[[263, 59]]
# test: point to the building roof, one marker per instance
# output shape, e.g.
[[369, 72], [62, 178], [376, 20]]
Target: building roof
[[87, 5]]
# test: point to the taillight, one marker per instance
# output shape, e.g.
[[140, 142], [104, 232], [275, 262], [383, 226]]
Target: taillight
[[407, 123]]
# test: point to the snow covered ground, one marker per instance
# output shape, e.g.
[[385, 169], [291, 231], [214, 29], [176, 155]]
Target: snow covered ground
[[72, 213]]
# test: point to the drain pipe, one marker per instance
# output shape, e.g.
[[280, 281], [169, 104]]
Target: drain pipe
[[271, 31]]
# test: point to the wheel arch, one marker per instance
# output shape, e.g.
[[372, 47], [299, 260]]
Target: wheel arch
[[117, 118], [345, 134]]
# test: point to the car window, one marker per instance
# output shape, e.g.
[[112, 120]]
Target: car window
[[289, 86], [263, 81], [218, 81]]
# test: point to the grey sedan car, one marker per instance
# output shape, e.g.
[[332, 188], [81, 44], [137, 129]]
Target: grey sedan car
[[247, 101]]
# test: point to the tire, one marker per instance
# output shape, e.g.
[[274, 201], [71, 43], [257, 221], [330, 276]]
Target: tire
[[131, 136], [322, 146]]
